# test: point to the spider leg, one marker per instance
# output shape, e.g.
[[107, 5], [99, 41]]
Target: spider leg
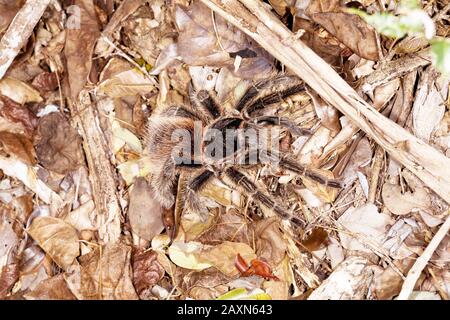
[[206, 103], [194, 186], [282, 122], [295, 167], [268, 92], [241, 181]]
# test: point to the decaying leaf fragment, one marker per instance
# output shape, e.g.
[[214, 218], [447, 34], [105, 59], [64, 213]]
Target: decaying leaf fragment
[[58, 145]]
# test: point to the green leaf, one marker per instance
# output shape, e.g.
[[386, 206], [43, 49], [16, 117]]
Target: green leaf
[[440, 48]]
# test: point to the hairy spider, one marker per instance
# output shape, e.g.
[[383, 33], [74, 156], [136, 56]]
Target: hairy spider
[[220, 143]]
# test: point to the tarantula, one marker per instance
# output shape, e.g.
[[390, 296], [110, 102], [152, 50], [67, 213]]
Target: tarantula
[[230, 152]]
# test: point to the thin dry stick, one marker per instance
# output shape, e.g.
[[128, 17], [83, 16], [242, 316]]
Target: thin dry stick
[[421, 262], [19, 31], [427, 163]]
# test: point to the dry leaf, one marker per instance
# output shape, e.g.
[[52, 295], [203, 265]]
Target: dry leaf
[[366, 223], [18, 113], [18, 91], [403, 203], [57, 238], [144, 211], [270, 244], [147, 272], [199, 45], [58, 145], [223, 256], [18, 146], [54, 288], [127, 83], [350, 281], [45, 82], [80, 45], [105, 273]]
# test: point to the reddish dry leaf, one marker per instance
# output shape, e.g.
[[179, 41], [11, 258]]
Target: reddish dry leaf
[[16, 112], [18, 146], [257, 267], [147, 272], [45, 82], [79, 46], [58, 145]]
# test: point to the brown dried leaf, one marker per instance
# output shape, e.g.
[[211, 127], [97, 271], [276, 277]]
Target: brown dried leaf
[[104, 273], [58, 145], [18, 146], [8, 277], [80, 45], [199, 45], [350, 29], [316, 240], [57, 238], [144, 211], [18, 113], [147, 272], [54, 288], [223, 256]]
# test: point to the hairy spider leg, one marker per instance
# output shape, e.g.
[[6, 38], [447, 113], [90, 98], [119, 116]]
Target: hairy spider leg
[[242, 182]]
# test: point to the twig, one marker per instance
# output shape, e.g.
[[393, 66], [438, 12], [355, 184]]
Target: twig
[[421, 262], [19, 31]]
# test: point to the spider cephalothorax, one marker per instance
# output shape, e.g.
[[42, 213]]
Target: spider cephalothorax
[[205, 140]]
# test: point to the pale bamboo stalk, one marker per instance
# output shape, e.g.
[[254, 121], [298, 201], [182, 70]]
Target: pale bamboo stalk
[[422, 261], [427, 163], [19, 31]]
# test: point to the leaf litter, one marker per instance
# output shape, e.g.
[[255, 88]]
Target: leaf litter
[[82, 92]]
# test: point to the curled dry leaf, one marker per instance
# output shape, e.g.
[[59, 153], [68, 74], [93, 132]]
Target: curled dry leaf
[[57, 238], [9, 275], [147, 272], [58, 145], [18, 146], [54, 288], [199, 45], [17, 113], [257, 267], [144, 211], [316, 240], [367, 226], [403, 203], [104, 273]]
